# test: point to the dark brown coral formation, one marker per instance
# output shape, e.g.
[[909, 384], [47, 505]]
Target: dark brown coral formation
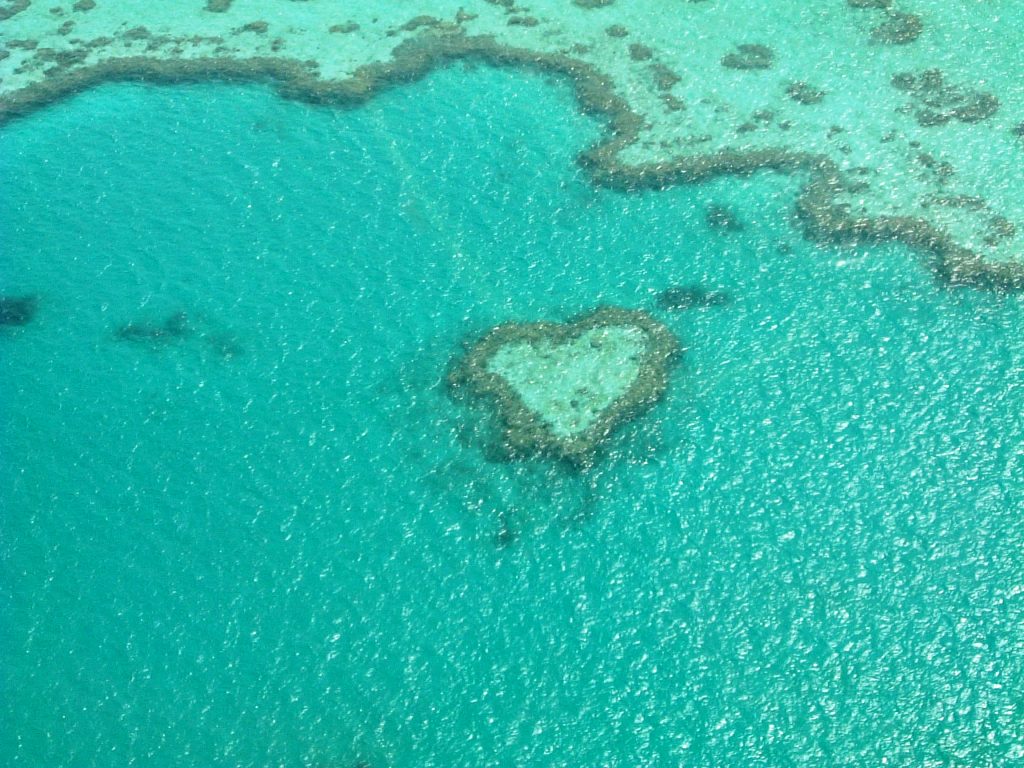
[[137, 33], [749, 56], [664, 78], [804, 93], [344, 29], [415, 23], [640, 52], [936, 102], [9, 8], [998, 230], [898, 29]]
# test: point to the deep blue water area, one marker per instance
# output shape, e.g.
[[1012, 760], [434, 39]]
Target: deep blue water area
[[243, 523]]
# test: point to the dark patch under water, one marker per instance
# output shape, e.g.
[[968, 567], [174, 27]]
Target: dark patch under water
[[681, 297], [723, 218], [506, 535], [17, 310], [174, 326]]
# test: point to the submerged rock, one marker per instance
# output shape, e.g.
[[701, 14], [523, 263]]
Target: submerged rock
[[560, 389], [17, 310]]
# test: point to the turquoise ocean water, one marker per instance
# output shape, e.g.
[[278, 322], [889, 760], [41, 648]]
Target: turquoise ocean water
[[273, 541]]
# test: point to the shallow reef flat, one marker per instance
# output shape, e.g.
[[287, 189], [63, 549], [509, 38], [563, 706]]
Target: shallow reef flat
[[906, 118]]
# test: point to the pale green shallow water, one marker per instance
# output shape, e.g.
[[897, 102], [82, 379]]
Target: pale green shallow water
[[810, 554], [592, 371]]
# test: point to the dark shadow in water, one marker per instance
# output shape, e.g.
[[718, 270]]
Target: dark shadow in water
[[175, 326], [723, 219], [17, 310], [682, 297], [225, 345], [507, 534]]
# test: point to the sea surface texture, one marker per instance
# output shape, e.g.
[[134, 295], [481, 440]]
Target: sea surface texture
[[244, 523]]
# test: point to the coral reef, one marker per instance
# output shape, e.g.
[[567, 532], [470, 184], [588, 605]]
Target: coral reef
[[11, 8], [663, 127], [936, 102], [803, 93], [898, 29], [344, 29], [560, 389], [749, 56]]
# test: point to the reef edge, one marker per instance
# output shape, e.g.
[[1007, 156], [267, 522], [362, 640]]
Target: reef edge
[[823, 219]]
